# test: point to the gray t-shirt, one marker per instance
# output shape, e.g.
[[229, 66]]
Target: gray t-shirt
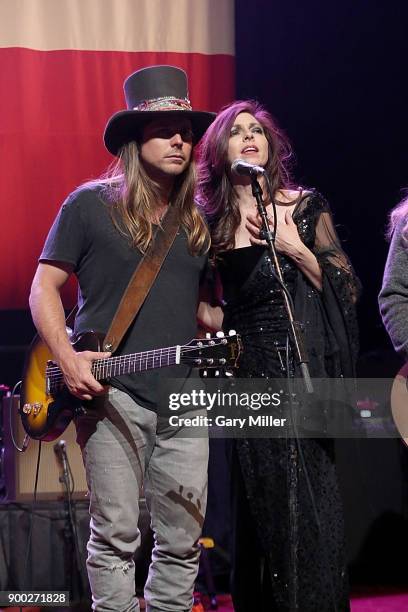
[[103, 260]]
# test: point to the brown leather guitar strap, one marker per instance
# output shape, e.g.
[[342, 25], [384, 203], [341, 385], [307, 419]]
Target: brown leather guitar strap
[[142, 279]]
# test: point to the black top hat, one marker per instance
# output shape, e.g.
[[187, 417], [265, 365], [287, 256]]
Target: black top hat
[[150, 93]]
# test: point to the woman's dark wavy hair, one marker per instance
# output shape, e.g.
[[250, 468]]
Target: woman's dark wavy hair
[[216, 194]]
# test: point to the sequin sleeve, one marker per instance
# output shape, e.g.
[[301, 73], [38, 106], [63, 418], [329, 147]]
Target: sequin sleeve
[[339, 280], [331, 257]]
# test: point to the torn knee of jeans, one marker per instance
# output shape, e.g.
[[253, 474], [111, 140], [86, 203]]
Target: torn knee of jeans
[[124, 567]]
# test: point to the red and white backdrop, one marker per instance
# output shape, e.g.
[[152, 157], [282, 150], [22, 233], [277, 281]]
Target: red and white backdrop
[[63, 63]]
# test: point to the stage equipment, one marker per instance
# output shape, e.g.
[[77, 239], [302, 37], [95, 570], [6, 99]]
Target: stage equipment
[[19, 468]]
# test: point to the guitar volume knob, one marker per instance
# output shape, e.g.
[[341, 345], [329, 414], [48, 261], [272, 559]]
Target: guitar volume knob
[[37, 407]]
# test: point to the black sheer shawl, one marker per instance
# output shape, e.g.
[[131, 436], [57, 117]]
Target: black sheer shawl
[[329, 316]]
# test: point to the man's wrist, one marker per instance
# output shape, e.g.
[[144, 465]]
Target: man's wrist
[[63, 352]]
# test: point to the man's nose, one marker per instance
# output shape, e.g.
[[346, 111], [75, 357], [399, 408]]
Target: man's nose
[[176, 140]]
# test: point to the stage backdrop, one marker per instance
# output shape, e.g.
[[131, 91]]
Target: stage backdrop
[[63, 63]]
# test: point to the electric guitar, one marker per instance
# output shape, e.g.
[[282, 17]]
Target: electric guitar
[[46, 405]]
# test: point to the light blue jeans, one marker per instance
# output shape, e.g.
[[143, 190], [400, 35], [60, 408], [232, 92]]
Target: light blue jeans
[[127, 450]]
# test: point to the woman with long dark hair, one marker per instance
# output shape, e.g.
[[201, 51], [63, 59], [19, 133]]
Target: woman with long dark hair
[[288, 544]]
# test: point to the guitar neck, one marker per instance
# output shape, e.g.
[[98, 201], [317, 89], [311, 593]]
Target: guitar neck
[[136, 362]]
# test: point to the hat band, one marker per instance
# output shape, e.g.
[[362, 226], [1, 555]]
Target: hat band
[[164, 103]]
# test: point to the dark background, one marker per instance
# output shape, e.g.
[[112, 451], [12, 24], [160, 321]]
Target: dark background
[[334, 75]]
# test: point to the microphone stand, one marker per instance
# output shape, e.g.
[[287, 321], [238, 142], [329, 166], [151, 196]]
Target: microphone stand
[[296, 333], [72, 553], [295, 327]]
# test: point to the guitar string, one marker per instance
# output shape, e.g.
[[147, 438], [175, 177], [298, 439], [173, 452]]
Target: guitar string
[[138, 356], [139, 364], [103, 368], [55, 375], [185, 348]]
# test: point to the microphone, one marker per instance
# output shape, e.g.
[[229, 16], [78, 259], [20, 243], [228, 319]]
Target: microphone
[[243, 168], [60, 449]]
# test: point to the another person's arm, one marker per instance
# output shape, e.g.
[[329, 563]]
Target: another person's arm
[[210, 317], [209, 313], [393, 298]]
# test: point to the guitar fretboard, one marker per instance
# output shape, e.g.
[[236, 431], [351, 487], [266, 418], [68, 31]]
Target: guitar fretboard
[[208, 353], [136, 362]]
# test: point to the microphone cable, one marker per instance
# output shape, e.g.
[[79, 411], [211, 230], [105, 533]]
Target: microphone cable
[[68, 480], [26, 440], [30, 532], [309, 486]]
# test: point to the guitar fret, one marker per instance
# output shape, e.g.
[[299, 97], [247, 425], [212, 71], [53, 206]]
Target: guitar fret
[[137, 362], [123, 363]]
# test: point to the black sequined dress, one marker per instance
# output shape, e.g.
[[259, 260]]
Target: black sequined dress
[[286, 558]]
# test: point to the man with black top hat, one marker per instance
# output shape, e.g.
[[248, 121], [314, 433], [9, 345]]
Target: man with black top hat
[[100, 235]]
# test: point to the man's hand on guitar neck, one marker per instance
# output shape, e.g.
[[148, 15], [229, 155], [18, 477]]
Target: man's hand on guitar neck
[[78, 377]]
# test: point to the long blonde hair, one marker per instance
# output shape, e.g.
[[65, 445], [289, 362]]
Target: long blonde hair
[[132, 194]]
